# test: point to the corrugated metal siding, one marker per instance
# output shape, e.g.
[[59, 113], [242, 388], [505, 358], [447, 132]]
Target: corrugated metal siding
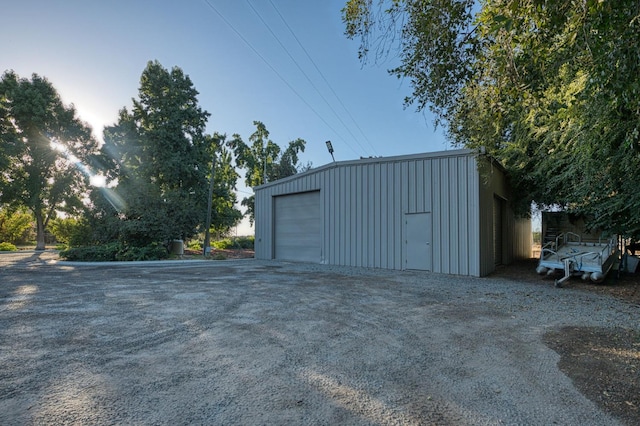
[[363, 205], [516, 232], [522, 241], [454, 187], [491, 185]]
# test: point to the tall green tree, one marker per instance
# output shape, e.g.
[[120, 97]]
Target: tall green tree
[[224, 214], [44, 147], [549, 88], [263, 160], [159, 155]]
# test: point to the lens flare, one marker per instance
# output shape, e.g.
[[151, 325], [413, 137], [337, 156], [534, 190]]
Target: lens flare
[[96, 180]]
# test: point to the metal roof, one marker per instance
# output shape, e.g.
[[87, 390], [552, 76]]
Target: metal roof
[[374, 160]]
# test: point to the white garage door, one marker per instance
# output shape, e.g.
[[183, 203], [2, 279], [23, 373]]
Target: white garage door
[[298, 227]]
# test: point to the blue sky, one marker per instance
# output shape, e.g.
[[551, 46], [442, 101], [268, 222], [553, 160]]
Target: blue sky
[[95, 51]]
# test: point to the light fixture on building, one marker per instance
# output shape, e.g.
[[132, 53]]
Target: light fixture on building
[[330, 148]]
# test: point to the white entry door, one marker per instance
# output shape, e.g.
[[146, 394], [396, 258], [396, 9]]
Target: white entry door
[[418, 241]]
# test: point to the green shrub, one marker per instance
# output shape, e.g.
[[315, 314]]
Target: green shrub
[[8, 247], [103, 253], [246, 243], [16, 227], [152, 252], [71, 231], [223, 244], [114, 251], [194, 245]]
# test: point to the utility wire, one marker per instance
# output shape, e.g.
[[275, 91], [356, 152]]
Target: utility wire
[[304, 73], [273, 69], [323, 78]]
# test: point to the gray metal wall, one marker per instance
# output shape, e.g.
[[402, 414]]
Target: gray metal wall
[[363, 205], [516, 232]]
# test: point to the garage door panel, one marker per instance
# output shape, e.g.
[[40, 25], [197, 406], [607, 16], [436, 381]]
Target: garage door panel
[[298, 227], [297, 253]]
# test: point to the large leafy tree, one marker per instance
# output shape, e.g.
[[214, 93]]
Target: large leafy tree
[[549, 88], [264, 161], [43, 151], [224, 214], [159, 155]]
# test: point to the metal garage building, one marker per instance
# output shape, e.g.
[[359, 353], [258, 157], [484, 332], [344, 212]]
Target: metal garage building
[[446, 212]]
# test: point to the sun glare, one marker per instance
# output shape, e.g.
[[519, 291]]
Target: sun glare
[[98, 181], [57, 146]]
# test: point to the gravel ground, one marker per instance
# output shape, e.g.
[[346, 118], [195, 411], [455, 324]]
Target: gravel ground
[[253, 342]]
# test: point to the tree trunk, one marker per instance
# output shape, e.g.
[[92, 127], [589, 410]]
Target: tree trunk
[[39, 230]]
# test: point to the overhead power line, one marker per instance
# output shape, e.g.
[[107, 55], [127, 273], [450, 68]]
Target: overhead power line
[[302, 71], [325, 80], [245, 41]]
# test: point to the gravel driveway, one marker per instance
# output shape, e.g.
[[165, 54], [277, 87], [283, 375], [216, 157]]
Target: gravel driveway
[[253, 342]]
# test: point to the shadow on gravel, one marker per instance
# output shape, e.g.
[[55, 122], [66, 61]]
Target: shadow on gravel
[[604, 364], [22, 259]]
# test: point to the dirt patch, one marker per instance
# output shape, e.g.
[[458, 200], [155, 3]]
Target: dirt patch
[[220, 254], [624, 286], [603, 363]]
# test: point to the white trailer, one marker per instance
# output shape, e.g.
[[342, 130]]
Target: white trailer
[[575, 257]]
